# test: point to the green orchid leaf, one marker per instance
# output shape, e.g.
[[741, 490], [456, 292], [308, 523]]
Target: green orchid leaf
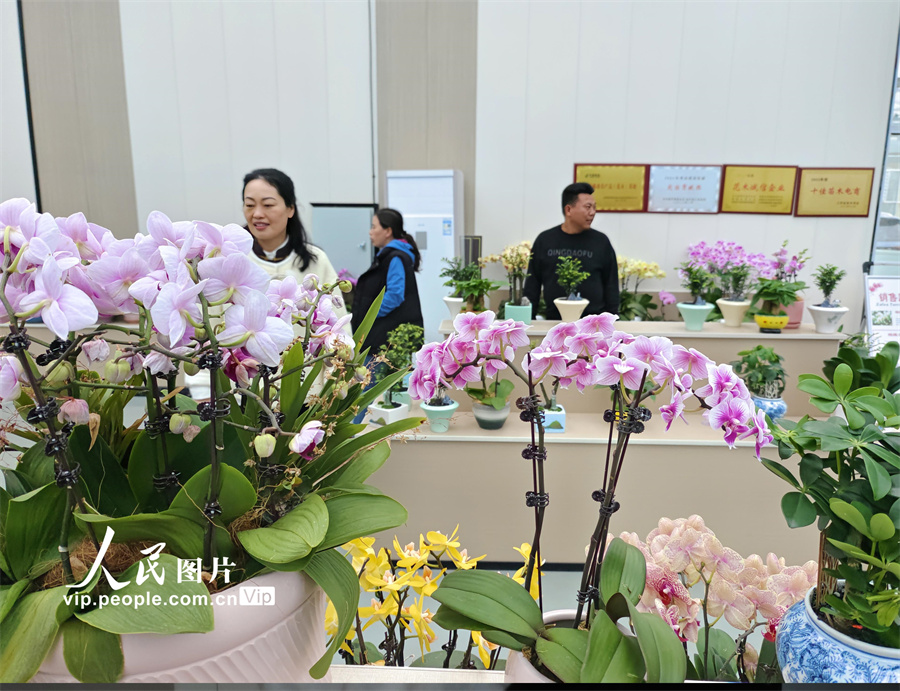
[[194, 617], [336, 577], [843, 379], [236, 495], [451, 620], [17, 483], [291, 537], [573, 640], [781, 472], [102, 475], [182, 536], [356, 515], [360, 468], [882, 527], [624, 571], [31, 527], [92, 656], [721, 648], [878, 476], [798, 510], [9, 595], [36, 466], [498, 601], [611, 658], [559, 660], [28, 633], [290, 383], [850, 514], [663, 653]]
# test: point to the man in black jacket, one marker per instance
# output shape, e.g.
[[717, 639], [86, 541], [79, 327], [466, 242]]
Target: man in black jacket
[[575, 238]]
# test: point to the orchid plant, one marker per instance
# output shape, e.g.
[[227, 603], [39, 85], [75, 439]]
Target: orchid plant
[[632, 305], [589, 352], [514, 259], [263, 476], [735, 269]]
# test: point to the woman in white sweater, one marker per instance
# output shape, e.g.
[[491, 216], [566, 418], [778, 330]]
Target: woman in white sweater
[[280, 245]]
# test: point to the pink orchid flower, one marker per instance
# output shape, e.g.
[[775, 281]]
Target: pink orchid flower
[[543, 361], [690, 360], [74, 410], [649, 350], [176, 308], [286, 297], [213, 240], [239, 366], [231, 277], [11, 375], [250, 325], [759, 431], [63, 307], [666, 298], [85, 236], [731, 415], [96, 349], [502, 335], [164, 233], [557, 335], [581, 343], [117, 274], [305, 441], [469, 324], [603, 323], [581, 372], [722, 383], [674, 409], [613, 370]]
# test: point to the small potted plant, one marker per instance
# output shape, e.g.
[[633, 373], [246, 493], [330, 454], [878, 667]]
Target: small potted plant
[[827, 314], [697, 281], [842, 473], [569, 276], [490, 402], [772, 295], [457, 273], [764, 375], [634, 306], [515, 260], [397, 354], [786, 270]]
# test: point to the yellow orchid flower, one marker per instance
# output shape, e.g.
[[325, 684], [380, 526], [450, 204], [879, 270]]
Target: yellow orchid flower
[[359, 550], [390, 581], [429, 582], [418, 623], [378, 612], [438, 542], [409, 556], [519, 576], [331, 627], [462, 560], [375, 569], [485, 648]]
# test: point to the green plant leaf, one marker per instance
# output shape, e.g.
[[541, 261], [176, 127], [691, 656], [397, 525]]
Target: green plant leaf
[[498, 601], [17, 483], [843, 379], [451, 620], [611, 658], [9, 595], [92, 656], [359, 469], [36, 465], [290, 384], [32, 526], [884, 454], [291, 537], [878, 407], [195, 617], [721, 648], [881, 527], [850, 514], [856, 552], [182, 536], [781, 472], [356, 515], [663, 653], [237, 495], [102, 475], [815, 385], [797, 509], [878, 476], [336, 577], [811, 467], [28, 633], [624, 571], [560, 660], [855, 419]]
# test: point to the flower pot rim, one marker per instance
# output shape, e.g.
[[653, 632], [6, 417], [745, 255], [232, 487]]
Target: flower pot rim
[[378, 406], [425, 406], [828, 309], [734, 302], [849, 641], [708, 305], [489, 407], [766, 398], [450, 297], [571, 302]]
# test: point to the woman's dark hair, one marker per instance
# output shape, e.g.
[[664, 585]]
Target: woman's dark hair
[[296, 234], [393, 219]]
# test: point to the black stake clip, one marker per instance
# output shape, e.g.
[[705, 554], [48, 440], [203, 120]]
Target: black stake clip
[[537, 500]]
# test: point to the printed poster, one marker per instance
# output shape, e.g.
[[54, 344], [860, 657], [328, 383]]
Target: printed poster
[[883, 308], [616, 187], [834, 191], [684, 189], [758, 189]]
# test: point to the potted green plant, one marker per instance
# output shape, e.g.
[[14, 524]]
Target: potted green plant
[[514, 259], [697, 281], [457, 274], [827, 314], [635, 306], [396, 356], [764, 375], [843, 474], [569, 276], [207, 502], [772, 295], [490, 402], [786, 270]]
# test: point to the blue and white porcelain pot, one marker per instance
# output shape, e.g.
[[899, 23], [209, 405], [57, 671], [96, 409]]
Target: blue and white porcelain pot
[[773, 407], [811, 652]]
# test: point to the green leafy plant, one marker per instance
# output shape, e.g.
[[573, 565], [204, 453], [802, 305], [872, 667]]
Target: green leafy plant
[[697, 280], [495, 393], [458, 274], [772, 294], [475, 290], [402, 344], [761, 370], [849, 474], [569, 275], [826, 278]]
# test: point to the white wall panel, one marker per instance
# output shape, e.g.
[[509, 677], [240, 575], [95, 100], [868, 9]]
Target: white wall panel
[[216, 89], [792, 83], [16, 170]]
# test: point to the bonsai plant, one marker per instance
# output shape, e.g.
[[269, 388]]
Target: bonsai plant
[[515, 260], [762, 371], [828, 313], [457, 274], [255, 486], [847, 481], [634, 306], [396, 356], [773, 295], [786, 270], [569, 276], [697, 281], [588, 352]]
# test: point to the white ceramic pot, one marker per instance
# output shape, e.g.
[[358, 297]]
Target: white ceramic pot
[[733, 311], [454, 305], [381, 415], [827, 319], [555, 420], [488, 417], [275, 643], [570, 310]]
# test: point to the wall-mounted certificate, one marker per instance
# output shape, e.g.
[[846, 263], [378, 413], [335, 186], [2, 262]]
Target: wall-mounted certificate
[[834, 191], [758, 189], [616, 187], [684, 189]]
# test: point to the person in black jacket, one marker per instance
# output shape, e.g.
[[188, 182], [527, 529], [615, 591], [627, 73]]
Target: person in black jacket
[[393, 270], [575, 238]]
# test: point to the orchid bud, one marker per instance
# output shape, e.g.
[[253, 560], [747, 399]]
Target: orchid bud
[[117, 371], [311, 282], [62, 373], [190, 369], [343, 351], [200, 335], [341, 390], [179, 422], [75, 410], [264, 445], [361, 373], [345, 286], [96, 349]]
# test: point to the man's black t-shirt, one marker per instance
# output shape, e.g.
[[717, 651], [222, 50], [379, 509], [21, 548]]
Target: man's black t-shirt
[[598, 258]]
